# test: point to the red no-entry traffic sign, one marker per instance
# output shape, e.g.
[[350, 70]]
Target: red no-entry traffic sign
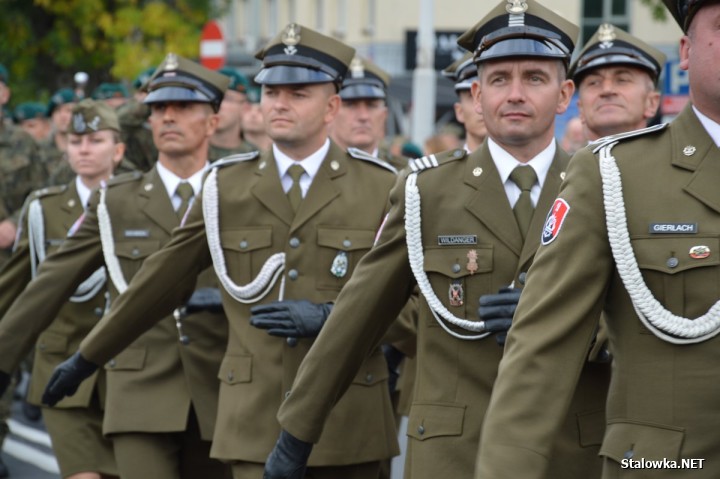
[[212, 46]]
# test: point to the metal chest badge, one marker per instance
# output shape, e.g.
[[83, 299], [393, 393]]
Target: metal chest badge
[[472, 265], [456, 294], [339, 266], [699, 252]]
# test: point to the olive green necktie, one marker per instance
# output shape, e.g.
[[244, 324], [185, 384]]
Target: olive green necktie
[[185, 192], [524, 177], [295, 192]]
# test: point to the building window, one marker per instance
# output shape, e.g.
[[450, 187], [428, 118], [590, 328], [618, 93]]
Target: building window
[[597, 12]]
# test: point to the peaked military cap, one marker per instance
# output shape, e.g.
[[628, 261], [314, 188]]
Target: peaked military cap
[[4, 75], [684, 10], [613, 46], [30, 110], [463, 72], [364, 80], [105, 91], [61, 97], [89, 116], [520, 28], [300, 55], [238, 81], [179, 79], [140, 82]]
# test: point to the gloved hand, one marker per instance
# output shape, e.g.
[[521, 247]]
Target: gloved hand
[[5, 380], [288, 459], [394, 357], [291, 319], [497, 311], [66, 378], [204, 299]]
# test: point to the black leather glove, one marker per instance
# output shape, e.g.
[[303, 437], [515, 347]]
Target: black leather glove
[[204, 299], [497, 311], [394, 357], [5, 380], [291, 319], [288, 459], [66, 378]]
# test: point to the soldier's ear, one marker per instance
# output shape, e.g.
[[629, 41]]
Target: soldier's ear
[[476, 92]]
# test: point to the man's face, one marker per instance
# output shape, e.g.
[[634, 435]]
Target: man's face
[[61, 116], [699, 55], [116, 101], [94, 155], [4, 95], [252, 121], [232, 109], [294, 114], [360, 123], [519, 99], [38, 128], [182, 128], [616, 99], [472, 119]]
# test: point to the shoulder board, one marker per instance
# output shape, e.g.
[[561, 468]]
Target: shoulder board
[[598, 144], [125, 178], [359, 154], [48, 191], [433, 161], [229, 160]]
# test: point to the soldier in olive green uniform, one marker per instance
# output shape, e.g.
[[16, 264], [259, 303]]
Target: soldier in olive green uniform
[[228, 139], [463, 73], [162, 390], [453, 232], [283, 244], [360, 123], [75, 424], [635, 234], [616, 75]]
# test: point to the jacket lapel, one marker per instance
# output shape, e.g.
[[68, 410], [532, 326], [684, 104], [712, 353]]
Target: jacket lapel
[[155, 203], [693, 149], [490, 203], [322, 189], [71, 206], [268, 189]]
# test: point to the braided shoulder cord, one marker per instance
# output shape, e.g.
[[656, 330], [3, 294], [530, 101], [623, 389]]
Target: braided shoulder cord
[[661, 322], [108, 244], [416, 257], [259, 287]]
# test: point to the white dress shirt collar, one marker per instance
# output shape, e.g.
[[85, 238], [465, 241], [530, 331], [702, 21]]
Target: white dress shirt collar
[[311, 165], [712, 127]]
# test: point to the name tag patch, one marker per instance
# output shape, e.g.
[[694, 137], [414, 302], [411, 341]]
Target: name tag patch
[[454, 240], [673, 228], [136, 233]]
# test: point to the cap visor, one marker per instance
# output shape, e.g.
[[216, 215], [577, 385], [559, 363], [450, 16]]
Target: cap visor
[[522, 47], [176, 93], [291, 75], [352, 92]]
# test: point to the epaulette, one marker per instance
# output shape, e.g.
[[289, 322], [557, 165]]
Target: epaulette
[[598, 144], [232, 159], [48, 191], [433, 161], [359, 154], [125, 178]]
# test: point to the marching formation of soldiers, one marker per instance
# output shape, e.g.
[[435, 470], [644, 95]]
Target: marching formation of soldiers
[[216, 287]]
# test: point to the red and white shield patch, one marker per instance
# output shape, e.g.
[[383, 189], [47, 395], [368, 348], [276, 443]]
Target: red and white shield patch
[[554, 221]]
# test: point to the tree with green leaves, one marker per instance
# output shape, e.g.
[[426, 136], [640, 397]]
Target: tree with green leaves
[[45, 42]]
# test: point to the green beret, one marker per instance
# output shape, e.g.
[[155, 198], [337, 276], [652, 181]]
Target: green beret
[[61, 97], [299, 55], [4, 75], [89, 116], [520, 28], [238, 81], [613, 46], [463, 72], [364, 80], [105, 91], [143, 77], [180, 79], [30, 110]]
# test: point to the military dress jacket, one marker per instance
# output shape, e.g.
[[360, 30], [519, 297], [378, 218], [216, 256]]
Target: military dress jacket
[[338, 218], [55, 337], [464, 208], [152, 383], [664, 398]]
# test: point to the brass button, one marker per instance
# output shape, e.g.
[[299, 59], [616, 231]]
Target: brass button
[[294, 242], [231, 376], [421, 430], [243, 244], [347, 243], [629, 454], [369, 378], [522, 277], [112, 363], [292, 342], [135, 252], [293, 274], [456, 268], [672, 262]]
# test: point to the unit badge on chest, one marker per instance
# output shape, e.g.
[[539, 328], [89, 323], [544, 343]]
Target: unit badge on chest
[[339, 266], [472, 265], [456, 294]]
